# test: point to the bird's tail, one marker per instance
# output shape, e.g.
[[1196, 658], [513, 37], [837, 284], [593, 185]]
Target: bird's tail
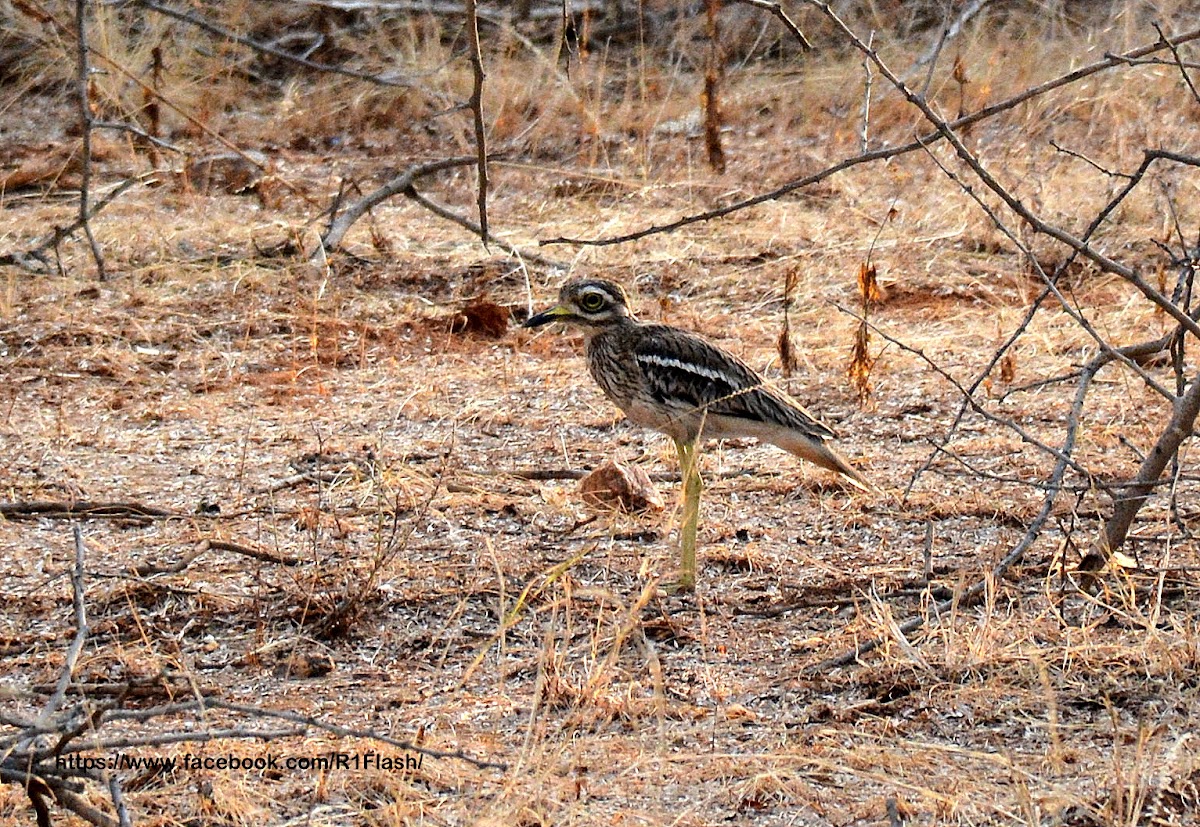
[[818, 453]]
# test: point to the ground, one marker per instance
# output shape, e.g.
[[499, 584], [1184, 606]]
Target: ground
[[327, 493]]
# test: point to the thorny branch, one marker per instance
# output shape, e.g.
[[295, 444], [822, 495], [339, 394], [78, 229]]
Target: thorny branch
[[946, 130], [1187, 406], [1051, 284], [968, 397], [1036, 305]]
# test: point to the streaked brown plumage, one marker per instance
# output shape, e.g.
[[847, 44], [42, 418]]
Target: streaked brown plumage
[[679, 383]]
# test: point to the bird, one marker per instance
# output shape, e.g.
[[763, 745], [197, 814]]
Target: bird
[[677, 382]]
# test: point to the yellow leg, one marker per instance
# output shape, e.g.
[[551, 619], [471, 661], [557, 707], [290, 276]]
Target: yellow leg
[[689, 466]]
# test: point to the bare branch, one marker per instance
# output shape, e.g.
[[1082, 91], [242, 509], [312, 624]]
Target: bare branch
[[146, 569], [38, 253], [199, 22], [1089, 161], [777, 10], [471, 226], [946, 130], [136, 131], [42, 509], [949, 32], [1134, 496], [1067, 79], [1052, 285], [866, 106], [118, 800], [81, 633], [968, 397], [475, 103], [86, 119], [1178, 62], [338, 225], [975, 590]]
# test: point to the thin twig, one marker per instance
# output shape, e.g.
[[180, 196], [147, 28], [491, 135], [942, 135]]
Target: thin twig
[[1047, 291], [475, 104], [463, 221], [81, 633], [968, 398], [777, 10], [1187, 407], [220, 31], [866, 107], [139, 132], [348, 605], [38, 253], [147, 569], [948, 32], [86, 119], [42, 509], [1178, 62], [1110, 173], [198, 736]]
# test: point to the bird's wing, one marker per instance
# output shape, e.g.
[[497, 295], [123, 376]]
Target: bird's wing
[[685, 370]]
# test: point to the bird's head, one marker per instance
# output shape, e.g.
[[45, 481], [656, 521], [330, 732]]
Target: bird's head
[[587, 302]]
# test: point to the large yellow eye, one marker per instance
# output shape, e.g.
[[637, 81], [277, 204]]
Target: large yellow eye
[[591, 302]]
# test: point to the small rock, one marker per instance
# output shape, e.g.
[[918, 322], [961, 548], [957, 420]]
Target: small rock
[[619, 486]]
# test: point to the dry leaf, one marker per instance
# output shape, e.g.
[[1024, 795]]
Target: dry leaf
[[960, 71], [869, 289], [861, 364], [1008, 368]]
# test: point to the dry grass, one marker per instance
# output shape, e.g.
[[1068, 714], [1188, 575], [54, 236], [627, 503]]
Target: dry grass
[[496, 613]]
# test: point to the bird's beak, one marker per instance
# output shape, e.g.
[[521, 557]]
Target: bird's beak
[[558, 313]]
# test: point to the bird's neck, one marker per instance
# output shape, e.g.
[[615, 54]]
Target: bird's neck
[[612, 326]]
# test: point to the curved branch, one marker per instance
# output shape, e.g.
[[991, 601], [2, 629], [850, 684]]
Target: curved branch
[[401, 183]]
